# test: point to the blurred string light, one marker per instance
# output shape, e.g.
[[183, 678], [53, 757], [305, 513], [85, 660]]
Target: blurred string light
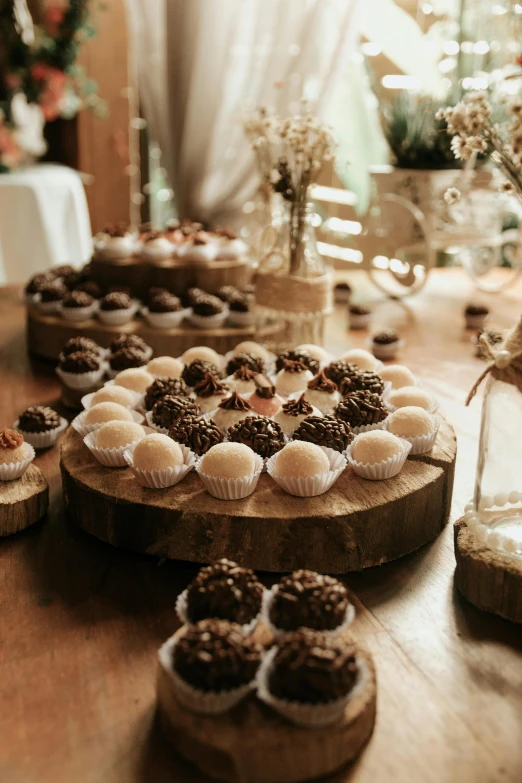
[[395, 81]]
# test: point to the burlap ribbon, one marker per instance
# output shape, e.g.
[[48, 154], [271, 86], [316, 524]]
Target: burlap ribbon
[[297, 296], [505, 360]]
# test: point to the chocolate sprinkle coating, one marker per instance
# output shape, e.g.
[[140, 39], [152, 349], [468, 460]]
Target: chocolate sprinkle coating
[[361, 408], [80, 361], [77, 299], [164, 303], [248, 360], [126, 358], [303, 356], [191, 296], [306, 599], [226, 591], [350, 378], [214, 655], [208, 305], [169, 408], [385, 337], [37, 282], [80, 344], [116, 301], [325, 431], [163, 387], [337, 370], [89, 287], [196, 371], [129, 341], [240, 303], [262, 435], [312, 668], [197, 433], [53, 292], [227, 292], [38, 418]]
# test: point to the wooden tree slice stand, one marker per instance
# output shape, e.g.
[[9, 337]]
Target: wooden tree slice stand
[[23, 501], [253, 744], [358, 524], [47, 334], [490, 580]]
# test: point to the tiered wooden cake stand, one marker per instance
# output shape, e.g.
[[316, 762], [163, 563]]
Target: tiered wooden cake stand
[[358, 524], [47, 334]]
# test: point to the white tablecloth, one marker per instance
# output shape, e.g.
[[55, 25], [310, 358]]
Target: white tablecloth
[[44, 220]]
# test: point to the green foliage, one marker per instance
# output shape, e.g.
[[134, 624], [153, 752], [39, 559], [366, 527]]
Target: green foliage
[[417, 140]]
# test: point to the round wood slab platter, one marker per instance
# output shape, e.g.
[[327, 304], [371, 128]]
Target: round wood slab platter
[[47, 334], [253, 744], [357, 524], [23, 501], [490, 580]]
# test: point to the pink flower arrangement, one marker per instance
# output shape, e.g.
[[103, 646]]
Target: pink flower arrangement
[[10, 152], [54, 13], [53, 90]]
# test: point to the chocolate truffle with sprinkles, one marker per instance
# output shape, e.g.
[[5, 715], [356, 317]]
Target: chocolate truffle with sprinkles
[[168, 409], [361, 380], [77, 299], [197, 433], [306, 599], [361, 408], [164, 303], [80, 344], [129, 341], [116, 301], [326, 431], [208, 305], [79, 362], [298, 355], [197, 371], [126, 358], [262, 435], [226, 591], [312, 668], [248, 360], [162, 387], [214, 655], [38, 418]]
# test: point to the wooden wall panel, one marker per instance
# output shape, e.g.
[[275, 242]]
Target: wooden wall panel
[[103, 143]]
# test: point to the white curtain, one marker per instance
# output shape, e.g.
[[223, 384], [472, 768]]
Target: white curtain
[[201, 64]]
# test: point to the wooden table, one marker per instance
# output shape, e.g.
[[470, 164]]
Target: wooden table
[[80, 621]]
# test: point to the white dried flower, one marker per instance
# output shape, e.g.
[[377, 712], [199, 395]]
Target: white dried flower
[[452, 196]]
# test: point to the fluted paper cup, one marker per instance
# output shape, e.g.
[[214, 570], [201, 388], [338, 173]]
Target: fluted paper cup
[[385, 352], [78, 314], [231, 489], [241, 319], [194, 699], [9, 471], [379, 471], [43, 440], [268, 600], [118, 317], [136, 396], [84, 429], [49, 308], [82, 380], [369, 427], [161, 479], [166, 320], [423, 443], [111, 458], [153, 425], [182, 612], [307, 487], [208, 321], [308, 715]]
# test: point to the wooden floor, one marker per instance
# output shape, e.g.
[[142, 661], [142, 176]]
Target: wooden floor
[[80, 622]]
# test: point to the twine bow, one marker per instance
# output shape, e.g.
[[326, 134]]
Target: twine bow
[[500, 362]]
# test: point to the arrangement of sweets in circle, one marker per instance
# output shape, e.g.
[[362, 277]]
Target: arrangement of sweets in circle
[[303, 420], [274, 664]]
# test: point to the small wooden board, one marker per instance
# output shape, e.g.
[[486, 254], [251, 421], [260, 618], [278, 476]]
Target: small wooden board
[[489, 579], [23, 501], [47, 334], [357, 524], [253, 744]]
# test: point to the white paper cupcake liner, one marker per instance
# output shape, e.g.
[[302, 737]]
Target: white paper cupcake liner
[[308, 715], [268, 599], [181, 611], [359, 321], [118, 317], [241, 319], [231, 489], [136, 396], [84, 429], [379, 471], [423, 443], [111, 458], [43, 440], [195, 700], [153, 425], [49, 308], [161, 479], [10, 471], [82, 380], [208, 321], [155, 255], [369, 427], [385, 352], [166, 320], [312, 485], [78, 314]]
